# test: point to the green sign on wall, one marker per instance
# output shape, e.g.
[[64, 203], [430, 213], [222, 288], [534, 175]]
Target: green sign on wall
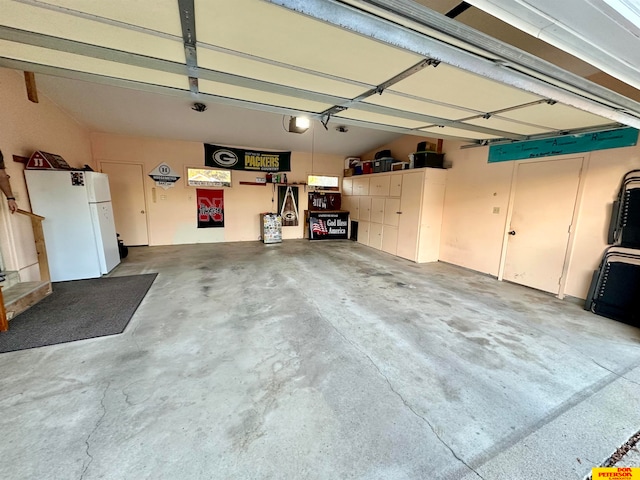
[[567, 144]]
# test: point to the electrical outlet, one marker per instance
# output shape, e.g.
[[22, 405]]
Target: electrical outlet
[[496, 210], [163, 197]]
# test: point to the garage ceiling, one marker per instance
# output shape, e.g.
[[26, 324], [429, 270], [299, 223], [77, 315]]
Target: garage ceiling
[[392, 65]]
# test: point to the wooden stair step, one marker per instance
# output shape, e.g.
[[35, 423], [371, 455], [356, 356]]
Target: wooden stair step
[[23, 295]]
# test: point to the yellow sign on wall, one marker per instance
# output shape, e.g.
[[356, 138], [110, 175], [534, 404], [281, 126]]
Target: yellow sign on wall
[[614, 473]]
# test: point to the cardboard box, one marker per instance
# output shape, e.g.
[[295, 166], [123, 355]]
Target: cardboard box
[[399, 166], [348, 172]]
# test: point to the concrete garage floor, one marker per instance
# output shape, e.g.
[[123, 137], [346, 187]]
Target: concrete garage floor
[[323, 361]]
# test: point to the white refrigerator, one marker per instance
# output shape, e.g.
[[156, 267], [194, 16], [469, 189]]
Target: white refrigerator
[[79, 229]]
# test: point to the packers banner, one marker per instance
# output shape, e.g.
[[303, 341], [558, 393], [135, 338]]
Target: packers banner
[[241, 159]]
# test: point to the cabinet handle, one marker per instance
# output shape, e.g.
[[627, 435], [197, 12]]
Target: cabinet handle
[[399, 213]]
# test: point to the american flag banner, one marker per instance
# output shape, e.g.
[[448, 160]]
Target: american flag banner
[[319, 227], [328, 225]]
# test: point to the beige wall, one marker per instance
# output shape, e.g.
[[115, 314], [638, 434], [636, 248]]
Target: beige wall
[[24, 128], [602, 182], [172, 220], [472, 235]]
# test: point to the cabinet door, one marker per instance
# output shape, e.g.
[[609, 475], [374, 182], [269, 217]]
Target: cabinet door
[[365, 209], [377, 209], [375, 235], [390, 239], [346, 204], [363, 233], [409, 226], [354, 206], [361, 186], [379, 185], [392, 211], [395, 186], [435, 176], [431, 223], [347, 186]]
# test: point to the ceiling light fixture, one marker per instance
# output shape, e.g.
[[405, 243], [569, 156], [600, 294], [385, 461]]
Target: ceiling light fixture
[[299, 124], [199, 107]]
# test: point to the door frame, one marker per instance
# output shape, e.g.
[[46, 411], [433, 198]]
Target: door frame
[[586, 158], [144, 192]]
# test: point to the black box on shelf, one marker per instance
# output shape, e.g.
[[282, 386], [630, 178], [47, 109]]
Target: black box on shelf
[[382, 154], [428, 159]]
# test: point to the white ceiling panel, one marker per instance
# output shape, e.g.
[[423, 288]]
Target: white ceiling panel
[[401, 102], [556, 117], [70, 61], [257, 96], [275, 33], [497, 123], [380, 119], [456, 132], [247, 67], [57, 24], [159, 15], [453, 86]]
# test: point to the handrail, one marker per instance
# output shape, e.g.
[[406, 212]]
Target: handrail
[[29, 214], [43, 262]]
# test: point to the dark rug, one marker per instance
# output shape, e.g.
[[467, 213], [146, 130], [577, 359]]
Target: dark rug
[[78, 310]]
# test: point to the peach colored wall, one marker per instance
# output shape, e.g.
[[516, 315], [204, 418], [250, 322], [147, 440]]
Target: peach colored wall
[[602, 182], [173, 220], [472, 235], [400, 148], [24, 128]]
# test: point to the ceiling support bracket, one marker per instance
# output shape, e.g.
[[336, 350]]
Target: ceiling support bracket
[[378, 90], [188, 24]]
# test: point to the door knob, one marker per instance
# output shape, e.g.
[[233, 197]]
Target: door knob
[[141, 211], [512, 232]]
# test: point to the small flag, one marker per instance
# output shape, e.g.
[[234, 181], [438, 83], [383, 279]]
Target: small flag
[[319, 227]]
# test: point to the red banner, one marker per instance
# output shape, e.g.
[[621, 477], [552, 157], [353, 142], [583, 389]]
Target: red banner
[[210, 208]]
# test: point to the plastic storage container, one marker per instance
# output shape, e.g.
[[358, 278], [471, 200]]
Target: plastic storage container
[[382, 165]]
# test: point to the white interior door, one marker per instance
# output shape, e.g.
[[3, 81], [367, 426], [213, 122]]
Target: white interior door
[[127, 196], [543, 207]]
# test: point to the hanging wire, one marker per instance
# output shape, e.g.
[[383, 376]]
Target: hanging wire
[[313, 139]]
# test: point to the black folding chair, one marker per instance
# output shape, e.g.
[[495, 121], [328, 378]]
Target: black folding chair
[[615, 287], [624, 228]]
